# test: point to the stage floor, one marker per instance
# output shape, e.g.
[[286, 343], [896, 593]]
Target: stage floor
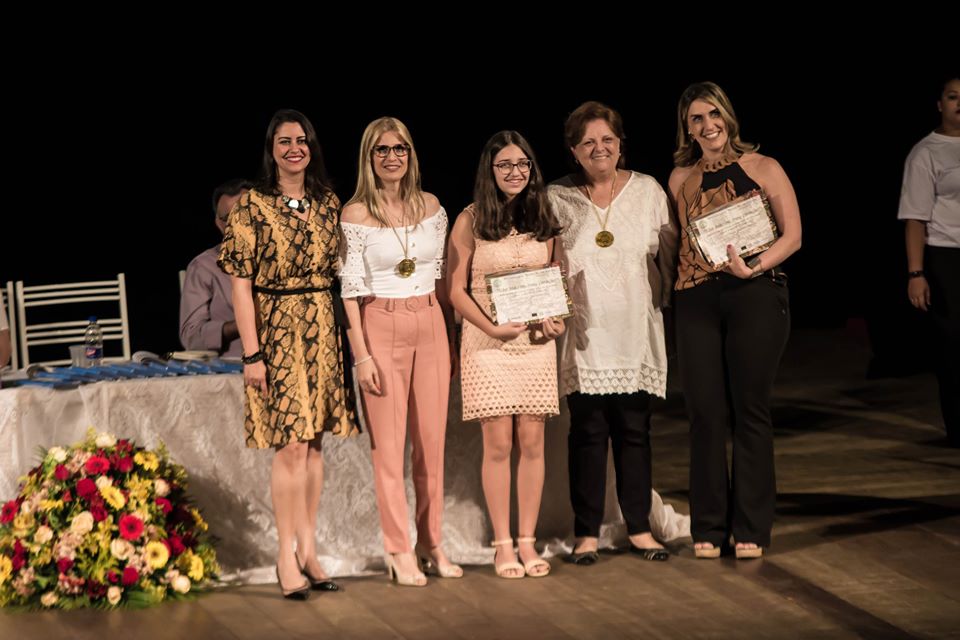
[[866, 544]]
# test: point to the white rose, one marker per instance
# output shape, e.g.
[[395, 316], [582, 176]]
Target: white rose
[[28, 507], [105, 440], [49, 599], [103, 481], [121, 549], [59, 454], [82, 523], [113, 594], [181, 584], [43, 535], [161, 487]]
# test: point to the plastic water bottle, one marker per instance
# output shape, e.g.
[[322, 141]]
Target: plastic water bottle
[[93, 343]]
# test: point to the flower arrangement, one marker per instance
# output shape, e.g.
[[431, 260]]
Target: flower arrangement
[[103, 523]]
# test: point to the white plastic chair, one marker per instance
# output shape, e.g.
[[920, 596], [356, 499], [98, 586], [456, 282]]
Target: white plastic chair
[[71, 331]]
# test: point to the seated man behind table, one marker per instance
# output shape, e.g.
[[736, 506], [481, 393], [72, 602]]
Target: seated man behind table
[[206, 307]]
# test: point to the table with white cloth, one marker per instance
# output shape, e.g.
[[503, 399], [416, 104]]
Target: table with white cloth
[[200, 419]]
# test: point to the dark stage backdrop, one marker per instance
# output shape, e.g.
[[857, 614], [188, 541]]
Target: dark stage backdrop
[[117, 168]]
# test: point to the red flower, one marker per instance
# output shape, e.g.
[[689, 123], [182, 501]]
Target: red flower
[[64, 564], [66, 496], [130, 576], [164, 505], [97, 465], [123, 464], [113, 577], [175, 544], [96, 589], [18, 562], [18, 548], [124, 446], [61, 473], [130, 527], [86, 488], [9, 511], [99, 513]]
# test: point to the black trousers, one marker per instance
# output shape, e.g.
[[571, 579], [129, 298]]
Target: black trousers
[[597, 422], [942, 268], [731, 334]]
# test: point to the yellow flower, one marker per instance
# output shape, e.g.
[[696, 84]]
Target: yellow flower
[[198, 519], [6, 568], [113, 496], [156, 554], [147, 460], [50, 505], [22, 525], [196, 568]]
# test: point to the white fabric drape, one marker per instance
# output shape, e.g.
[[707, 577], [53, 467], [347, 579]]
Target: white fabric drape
[[200, 419]]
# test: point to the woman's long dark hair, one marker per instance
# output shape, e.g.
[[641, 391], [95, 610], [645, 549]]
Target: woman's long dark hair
[[529, 212], [316, 182]]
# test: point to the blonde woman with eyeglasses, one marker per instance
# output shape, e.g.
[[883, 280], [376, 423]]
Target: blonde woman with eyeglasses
[[395, 298]]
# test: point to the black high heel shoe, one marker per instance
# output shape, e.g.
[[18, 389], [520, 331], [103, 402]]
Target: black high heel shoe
[[325, 584], [300, 593]]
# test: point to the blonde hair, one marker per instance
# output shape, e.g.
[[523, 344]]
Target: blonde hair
[[687, 152], [368, 193]]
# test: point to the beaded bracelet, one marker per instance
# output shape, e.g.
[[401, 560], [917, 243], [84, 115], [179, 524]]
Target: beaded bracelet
[[362, 360]]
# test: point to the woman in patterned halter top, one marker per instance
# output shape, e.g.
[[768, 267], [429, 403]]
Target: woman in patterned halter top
[[508, 371], [732, 326]]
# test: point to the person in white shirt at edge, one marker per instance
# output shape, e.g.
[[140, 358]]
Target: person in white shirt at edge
[[395, 296], [930, 207]]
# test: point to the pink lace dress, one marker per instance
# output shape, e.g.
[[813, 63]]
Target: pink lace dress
[[498, 377]]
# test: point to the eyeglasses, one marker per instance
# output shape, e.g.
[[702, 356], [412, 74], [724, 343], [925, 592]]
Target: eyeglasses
[[399, 150], [506, 167]]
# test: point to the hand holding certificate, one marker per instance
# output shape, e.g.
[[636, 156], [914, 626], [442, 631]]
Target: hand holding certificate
[[528, 295], [746, 223]]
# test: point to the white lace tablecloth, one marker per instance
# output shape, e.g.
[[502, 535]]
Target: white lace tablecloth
[[200, 418]]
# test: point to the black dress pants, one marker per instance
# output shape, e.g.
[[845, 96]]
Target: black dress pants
[[731, 334], [598, 422]]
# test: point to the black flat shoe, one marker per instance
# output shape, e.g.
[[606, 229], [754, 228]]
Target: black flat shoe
[[584, 558], [656, 555], [300, 593]]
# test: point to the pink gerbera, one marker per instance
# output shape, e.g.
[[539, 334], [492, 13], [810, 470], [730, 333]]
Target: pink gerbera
[[130, 527], [97, 465], [9, 511]]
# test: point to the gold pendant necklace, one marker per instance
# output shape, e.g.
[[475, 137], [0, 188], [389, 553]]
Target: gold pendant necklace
[[405, 267], [603, 238]]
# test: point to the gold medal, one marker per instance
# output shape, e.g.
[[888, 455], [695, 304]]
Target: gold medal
[[406, 267], [604, 239]]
